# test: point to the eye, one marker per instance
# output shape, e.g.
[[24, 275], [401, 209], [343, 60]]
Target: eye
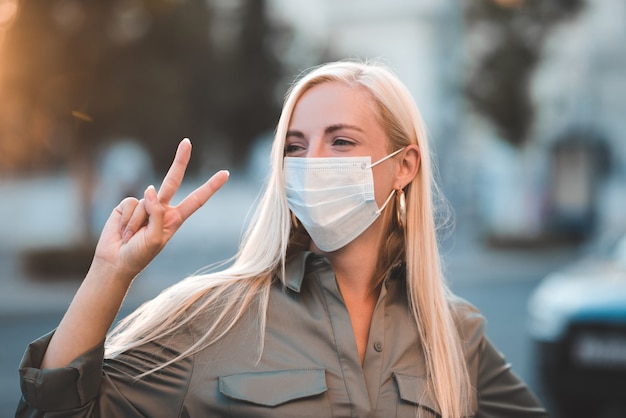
[[293, 148], [342, 142]]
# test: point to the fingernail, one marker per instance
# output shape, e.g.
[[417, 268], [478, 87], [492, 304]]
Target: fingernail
[[126, 236], [150, 192], [227, 172]]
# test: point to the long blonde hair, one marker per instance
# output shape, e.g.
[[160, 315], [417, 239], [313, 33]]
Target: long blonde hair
[[226, 295]]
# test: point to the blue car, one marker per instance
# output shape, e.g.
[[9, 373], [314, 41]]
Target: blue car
[[578, 324]]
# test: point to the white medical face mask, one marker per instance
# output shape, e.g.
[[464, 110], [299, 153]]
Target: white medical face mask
[[333, 197]]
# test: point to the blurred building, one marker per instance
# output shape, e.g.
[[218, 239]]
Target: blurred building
[[418, 40], [580, 91]]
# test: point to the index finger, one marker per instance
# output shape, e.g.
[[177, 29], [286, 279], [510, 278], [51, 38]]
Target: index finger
[[174, 177], [196, 199]]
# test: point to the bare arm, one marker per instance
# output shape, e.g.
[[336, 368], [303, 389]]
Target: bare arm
[[134, 234]]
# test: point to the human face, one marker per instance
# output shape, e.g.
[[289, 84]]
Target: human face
[[336, 120]]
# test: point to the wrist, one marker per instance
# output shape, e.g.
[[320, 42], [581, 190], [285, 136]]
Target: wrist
[[104, 270]]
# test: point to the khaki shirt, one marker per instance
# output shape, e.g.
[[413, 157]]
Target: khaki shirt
[[309, 367]]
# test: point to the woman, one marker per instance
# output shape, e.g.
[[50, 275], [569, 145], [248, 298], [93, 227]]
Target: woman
[[335, 304]]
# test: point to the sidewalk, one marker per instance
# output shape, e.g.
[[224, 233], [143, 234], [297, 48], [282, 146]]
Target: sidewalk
[[467, 266], [24, 296], [475, 263]]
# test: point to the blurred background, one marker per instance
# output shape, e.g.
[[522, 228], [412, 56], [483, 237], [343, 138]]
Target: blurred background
[[523, 99]]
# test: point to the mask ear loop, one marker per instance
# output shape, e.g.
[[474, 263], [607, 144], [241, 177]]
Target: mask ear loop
[[393, 191], [386, 157], [382, 208]]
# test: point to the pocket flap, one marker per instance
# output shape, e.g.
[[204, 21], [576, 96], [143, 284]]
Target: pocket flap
[[415, 389], [275, 387]]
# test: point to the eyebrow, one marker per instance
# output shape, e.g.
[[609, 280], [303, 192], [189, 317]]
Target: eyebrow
[[330, 129]]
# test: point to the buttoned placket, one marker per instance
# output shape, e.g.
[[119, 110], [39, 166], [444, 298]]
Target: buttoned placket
[[362, 383], [373, 363]]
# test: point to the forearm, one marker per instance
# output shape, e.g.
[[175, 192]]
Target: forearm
[[89, 316]]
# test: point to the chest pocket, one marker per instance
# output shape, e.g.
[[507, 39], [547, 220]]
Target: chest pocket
[[277, 393], [415, 393]]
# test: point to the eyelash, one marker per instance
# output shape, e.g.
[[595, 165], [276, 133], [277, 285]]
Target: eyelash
[[345, 141], [337, 142], [291, 148]]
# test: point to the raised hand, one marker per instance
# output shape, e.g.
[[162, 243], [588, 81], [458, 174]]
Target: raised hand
[[133, 235], [137, 230]]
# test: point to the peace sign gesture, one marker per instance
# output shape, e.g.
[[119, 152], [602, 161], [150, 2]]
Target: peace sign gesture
[[137, 230]]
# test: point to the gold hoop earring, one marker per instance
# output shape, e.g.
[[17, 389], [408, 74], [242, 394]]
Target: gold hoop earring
[[401, 208]]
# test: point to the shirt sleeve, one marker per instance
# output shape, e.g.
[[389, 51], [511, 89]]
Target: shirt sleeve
[[500, 392], [91, 386]]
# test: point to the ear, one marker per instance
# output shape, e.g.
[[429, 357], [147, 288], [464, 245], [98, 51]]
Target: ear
[[409, 165]]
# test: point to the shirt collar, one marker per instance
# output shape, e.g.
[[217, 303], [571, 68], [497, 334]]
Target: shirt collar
[[296, 268], [294, 271]]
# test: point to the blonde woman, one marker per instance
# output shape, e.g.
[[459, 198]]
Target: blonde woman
[[335, 305]]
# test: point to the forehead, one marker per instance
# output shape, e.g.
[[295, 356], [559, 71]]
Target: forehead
[[334, 103]]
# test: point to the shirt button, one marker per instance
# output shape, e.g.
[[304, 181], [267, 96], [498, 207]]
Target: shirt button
[[378, 346]]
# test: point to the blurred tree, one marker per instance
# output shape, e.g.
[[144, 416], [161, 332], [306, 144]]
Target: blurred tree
[[78, 75], [247, 74], [506, 41]]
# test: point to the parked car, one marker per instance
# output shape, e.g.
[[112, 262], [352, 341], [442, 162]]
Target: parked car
[[578, 324]]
